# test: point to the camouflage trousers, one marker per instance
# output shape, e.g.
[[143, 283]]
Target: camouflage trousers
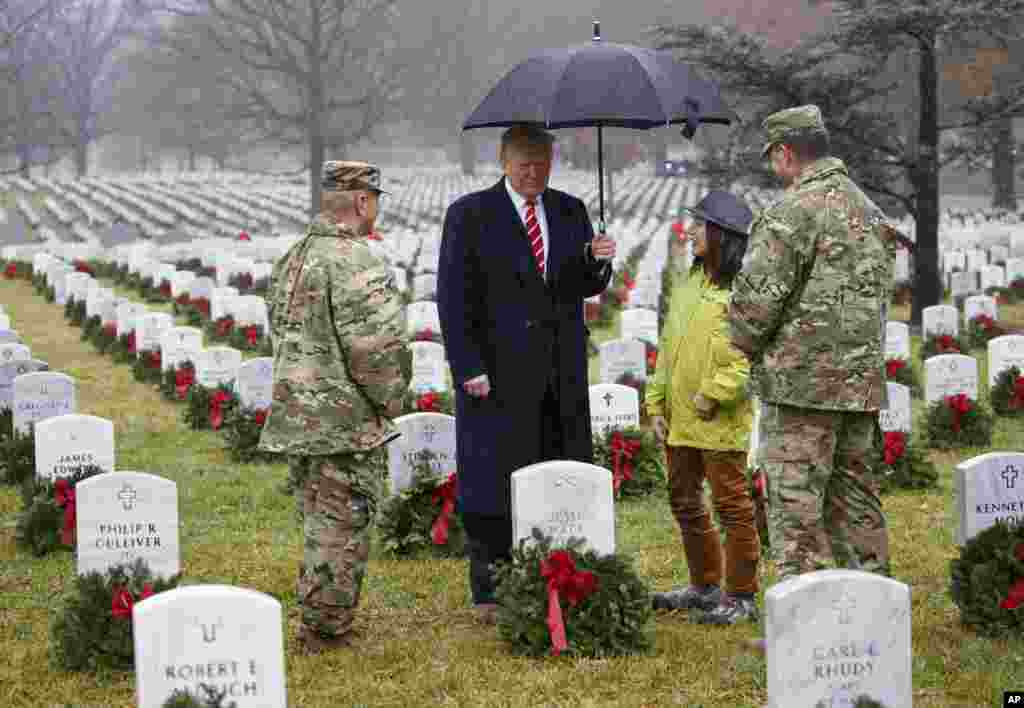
[[823, 499], [337, 500]]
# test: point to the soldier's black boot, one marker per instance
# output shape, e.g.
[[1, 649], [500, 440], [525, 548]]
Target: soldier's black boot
[[694, 597]]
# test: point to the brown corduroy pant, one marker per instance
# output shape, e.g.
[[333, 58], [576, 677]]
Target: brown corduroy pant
[[688, 467]]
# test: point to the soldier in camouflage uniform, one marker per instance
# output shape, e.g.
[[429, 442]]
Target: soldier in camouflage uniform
[[809, 309], [337, 326]]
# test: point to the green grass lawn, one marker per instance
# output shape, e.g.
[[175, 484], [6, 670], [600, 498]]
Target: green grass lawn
[[420, 645]]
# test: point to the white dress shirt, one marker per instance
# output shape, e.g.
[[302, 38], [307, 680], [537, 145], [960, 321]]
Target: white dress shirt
[[520, 202]]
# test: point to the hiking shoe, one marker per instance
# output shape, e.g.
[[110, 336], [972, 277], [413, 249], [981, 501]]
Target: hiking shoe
[[694, 597], [733, 610]]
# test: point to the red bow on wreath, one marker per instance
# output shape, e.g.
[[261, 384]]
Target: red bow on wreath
[[217, 401], [64, 495], [224, 326], [947, 344], [892, 367], [244, 237], [252, 334], [623, 449], [110, 331], [203, 305], [122, 601], [131, 342], [428, 402], [374, 236], [560, 571], [1017, 399], [183, 378], [165, 288], [81, 267], [677, 228], [260, 416], [11, 270], [424, 335], [628, 281], [1015, 598], [895, 446], [984, 321], [652, 359], [959, 404], [445, 496], [155, 359]]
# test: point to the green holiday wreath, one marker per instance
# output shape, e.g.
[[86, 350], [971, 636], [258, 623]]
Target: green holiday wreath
[[121, 274], [599, 600], [420, 521], [219, 330], [1016, 289], [987, 581], [957, 421], [242, 428], [149, 291], [650, 357], [180, 698], [941, 344], [1007, 394], [48, 519], [76, 311], [180, 304], [89, 327], [900, 371], [250, 338], [6, 426], [429, 402], [164, 290], [981, 329], [900, 464], [147, 367], [176, 381], [105, 337], [50, 294], [92, 627], [18, 456], [206, 408], [123, 350], [16, 269], [861, 701], [636, 460]]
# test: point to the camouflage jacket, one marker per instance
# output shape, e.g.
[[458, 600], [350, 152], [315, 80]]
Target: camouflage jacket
[[810, 304], [337, 325]]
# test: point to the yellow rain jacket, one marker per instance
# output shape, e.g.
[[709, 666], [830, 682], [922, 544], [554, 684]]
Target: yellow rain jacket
[[695, 355]]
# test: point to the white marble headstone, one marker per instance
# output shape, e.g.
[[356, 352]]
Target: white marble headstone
[[429, 368], [229, 638], [980, 305], [620, 356], [898, 415], [41, 395], [1004, 352], [938, 320], [963, 283], [897, 341], [14, 352], [149, 330], [992, 276], [127, 515], [254, 383], [613, 406], [639, 323], [901, 266], [949, 375], [989, 488], [424, 286], [564, 499], [217, 365], [67, 443], [9, 336], [10, 370], [834, 635], [1014, 270], [421, 431], [422, 315], [127, 316]]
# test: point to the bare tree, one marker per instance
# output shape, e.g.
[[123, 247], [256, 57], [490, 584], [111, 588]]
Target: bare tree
[[89, 33], [311, 74], [845, 71]]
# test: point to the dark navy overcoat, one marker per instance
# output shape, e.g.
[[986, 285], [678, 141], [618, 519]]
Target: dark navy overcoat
[[499, 317]]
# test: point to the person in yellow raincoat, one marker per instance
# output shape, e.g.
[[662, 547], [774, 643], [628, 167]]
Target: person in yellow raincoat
[[700, 409]]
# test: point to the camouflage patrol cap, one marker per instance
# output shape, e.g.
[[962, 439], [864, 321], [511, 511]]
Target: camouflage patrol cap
[[791, 122], [351, 176]]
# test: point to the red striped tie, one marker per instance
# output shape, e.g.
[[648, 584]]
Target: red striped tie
[[533, 231]]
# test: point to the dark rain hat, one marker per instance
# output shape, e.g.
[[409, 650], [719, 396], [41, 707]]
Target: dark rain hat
[[725, 209]]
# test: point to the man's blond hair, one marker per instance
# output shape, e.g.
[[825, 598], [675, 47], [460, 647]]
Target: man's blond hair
[[525, 138]]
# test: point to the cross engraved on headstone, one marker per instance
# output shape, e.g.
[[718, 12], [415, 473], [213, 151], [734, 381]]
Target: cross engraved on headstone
[[843, 605], [43, 390], [128, 556], [127, 496], [565, 480], [1010, 476], [209, 630], [607, 399], [428, 432]]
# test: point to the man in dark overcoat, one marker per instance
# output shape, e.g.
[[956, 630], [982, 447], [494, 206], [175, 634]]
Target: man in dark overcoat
[[516, 261]]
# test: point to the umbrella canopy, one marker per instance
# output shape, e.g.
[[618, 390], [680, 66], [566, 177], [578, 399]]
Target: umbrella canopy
[[602, 84]]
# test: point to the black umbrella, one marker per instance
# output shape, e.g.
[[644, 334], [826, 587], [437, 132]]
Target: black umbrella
[[602, 84]]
